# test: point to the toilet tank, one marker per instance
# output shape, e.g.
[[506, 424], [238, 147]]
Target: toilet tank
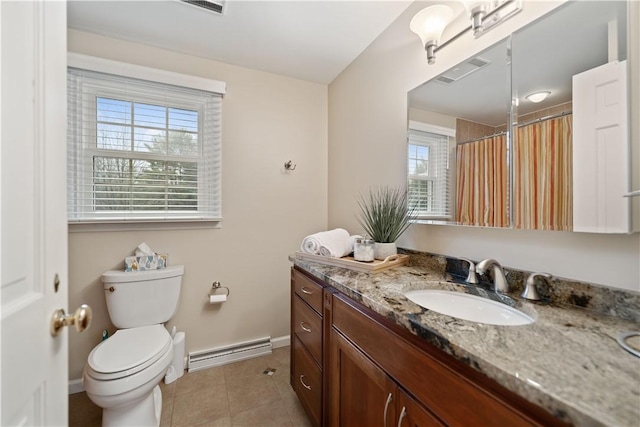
[[143, 297]]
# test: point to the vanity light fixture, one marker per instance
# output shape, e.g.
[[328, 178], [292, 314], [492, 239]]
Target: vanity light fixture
[[538, 96], [430, 22]]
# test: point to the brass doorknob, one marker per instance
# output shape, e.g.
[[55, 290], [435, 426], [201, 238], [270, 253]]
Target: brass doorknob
[[81, 319]]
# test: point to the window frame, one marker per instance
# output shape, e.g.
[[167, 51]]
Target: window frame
[[433, 160], [89, 148]]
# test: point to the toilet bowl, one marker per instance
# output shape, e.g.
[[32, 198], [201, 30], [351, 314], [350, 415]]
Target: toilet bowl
[[122, 373]]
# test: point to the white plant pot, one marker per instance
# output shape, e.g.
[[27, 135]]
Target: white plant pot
[[383, 250]]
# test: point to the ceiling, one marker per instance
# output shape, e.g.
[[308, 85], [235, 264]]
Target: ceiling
[[312, 40], [545, 56]]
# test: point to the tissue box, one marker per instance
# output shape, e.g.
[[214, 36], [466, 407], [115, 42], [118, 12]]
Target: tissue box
[[146, 262]]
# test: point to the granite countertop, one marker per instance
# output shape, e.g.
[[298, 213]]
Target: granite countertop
[[567, 361]]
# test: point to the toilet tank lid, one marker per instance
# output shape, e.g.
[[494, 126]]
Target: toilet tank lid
[[119, 276]]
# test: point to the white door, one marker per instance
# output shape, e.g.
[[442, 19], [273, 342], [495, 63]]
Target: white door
[[601, 150], [33, 220]]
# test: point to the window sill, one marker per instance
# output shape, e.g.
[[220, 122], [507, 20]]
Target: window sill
[[443, 220], [86, 227]]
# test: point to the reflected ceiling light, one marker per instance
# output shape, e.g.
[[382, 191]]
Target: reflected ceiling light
[[430, 22], [538, 96]]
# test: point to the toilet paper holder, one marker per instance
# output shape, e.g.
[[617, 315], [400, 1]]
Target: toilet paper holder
[[215, 286]]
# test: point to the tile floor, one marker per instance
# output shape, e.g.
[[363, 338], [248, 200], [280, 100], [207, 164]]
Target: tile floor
[[238, 394]]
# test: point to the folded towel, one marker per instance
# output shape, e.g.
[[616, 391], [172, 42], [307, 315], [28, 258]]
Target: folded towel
[[336, 243]]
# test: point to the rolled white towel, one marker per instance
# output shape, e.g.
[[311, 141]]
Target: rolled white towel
[[339, 249], [311, 244], [336, 243]]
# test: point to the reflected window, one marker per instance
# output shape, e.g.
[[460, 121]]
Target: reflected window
[[428, 170]]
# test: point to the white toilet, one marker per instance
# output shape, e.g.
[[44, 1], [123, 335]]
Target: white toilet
[[122, 373]]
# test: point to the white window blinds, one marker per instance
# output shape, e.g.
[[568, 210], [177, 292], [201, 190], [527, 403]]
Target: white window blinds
[[141, 151], [428, 169]]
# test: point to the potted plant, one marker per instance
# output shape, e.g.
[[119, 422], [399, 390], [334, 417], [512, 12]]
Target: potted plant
[[385, 214]]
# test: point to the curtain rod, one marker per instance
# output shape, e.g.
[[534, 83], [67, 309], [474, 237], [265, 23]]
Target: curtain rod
[[542, 119], [482, 137]]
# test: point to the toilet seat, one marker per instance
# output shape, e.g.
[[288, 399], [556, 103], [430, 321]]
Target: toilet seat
[[128, 351]]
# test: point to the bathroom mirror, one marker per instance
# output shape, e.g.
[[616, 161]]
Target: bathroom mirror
[[473, 100], [466, 106], [575, 38]]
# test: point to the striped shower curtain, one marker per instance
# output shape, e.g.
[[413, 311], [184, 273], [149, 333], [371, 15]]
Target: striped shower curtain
[[481, 170], [543, 175]]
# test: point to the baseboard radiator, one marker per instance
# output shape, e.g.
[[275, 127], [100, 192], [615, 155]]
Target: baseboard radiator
[[204, 359]]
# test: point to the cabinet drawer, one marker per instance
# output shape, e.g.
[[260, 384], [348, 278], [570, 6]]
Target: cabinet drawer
[[452, 397], [307, 325], [308, 290], [307, 382]]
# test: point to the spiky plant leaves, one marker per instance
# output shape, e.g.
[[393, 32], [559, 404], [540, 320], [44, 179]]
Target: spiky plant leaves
[[385, 214]]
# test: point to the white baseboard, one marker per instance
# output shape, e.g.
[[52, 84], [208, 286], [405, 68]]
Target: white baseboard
[[281, 341], [75, 386]]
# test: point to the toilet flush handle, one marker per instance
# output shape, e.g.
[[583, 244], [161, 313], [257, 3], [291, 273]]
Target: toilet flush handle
[[81, 319]]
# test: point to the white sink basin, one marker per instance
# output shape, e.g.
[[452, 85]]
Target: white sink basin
[[469, 307]]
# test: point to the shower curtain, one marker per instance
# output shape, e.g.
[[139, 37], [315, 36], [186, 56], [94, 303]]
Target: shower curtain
[[481, 184], [543, 175]]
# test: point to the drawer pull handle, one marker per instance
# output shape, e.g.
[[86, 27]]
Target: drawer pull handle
[[308, 387], [403, 414], [306, 291], [304, 328], [386, 408]]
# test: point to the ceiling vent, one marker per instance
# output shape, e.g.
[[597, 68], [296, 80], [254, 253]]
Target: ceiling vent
[[215, 6], [462, 70]]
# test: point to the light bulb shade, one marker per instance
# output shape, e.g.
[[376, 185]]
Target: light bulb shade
[[430, 22], [538, 96]]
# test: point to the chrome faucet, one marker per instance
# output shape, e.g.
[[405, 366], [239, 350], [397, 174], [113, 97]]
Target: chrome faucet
[[530, 290], [499, 279], [471, 277]]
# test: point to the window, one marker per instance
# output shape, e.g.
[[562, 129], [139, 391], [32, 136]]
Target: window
[[428, 170], [140, 150]]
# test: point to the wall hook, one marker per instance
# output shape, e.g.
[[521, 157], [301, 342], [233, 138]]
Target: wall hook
[[288, 166]]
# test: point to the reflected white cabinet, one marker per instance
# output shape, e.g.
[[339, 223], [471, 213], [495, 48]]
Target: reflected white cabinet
[[601, 170]]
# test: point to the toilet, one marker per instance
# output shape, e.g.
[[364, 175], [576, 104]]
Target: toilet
[[122, 373]]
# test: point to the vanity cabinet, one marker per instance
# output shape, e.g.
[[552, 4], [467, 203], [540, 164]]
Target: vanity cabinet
[[307, 343], [434, 388], [372, 372], [362, 394]]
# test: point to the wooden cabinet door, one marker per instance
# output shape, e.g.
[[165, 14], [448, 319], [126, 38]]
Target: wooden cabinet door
[[361, 393], [412, 414]]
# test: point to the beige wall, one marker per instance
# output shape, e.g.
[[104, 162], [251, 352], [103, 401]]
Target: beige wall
[[432, 118], [267, 120], [367, 131]]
